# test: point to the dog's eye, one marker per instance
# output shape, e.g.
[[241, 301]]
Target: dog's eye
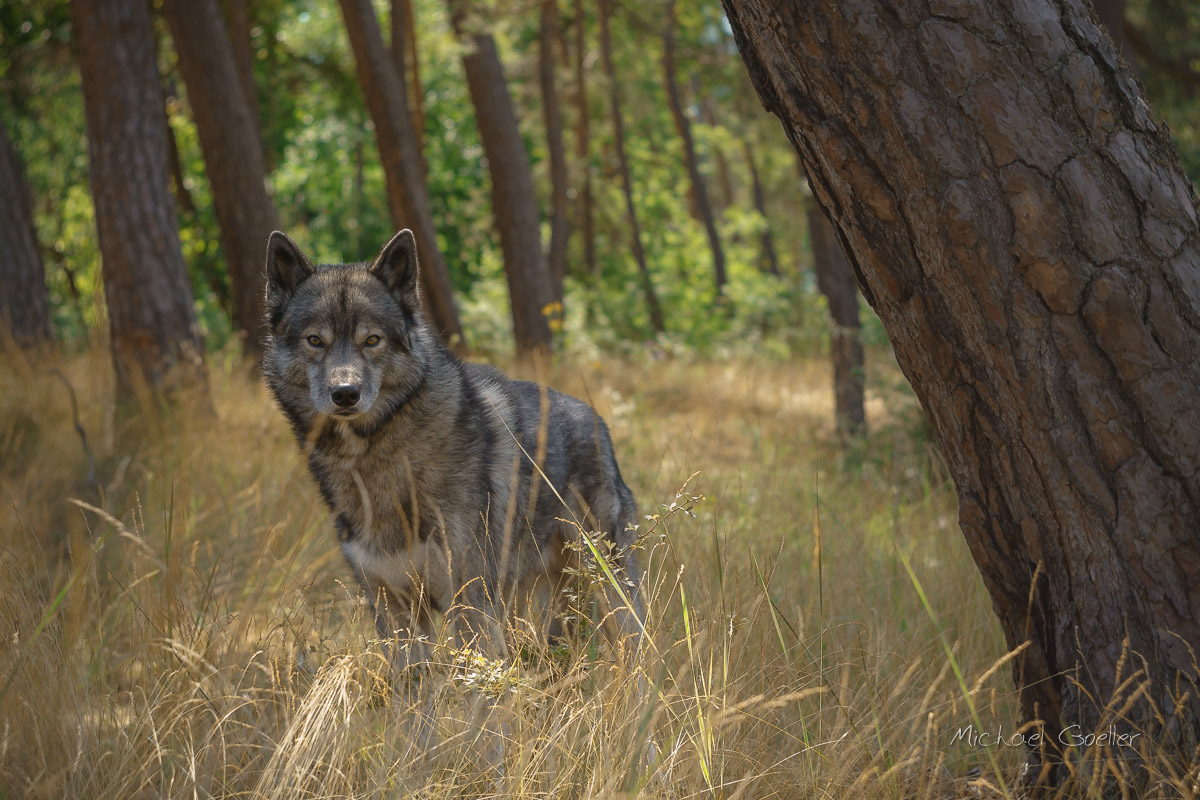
[[371, 340], [314, 340]]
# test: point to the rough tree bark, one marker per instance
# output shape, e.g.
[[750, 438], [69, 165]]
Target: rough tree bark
[[556, 255], [1023, 228], [835, 279], [768, 262], [583, 144], [618, 122], [408, 196], [233, 158], [683, 127], [514, 198], [24, 303], [152, 323]]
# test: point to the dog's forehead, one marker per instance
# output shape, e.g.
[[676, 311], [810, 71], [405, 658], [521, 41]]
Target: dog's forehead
[[344, 296]]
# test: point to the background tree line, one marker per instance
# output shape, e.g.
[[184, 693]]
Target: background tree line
[[599, 170]]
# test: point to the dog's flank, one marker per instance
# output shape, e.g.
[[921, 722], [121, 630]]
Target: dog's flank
[[427, 462]]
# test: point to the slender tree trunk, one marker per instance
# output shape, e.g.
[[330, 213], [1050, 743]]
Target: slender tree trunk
[[1023, 228], [635, 231], [583, 145], [514, 198], [243, 56], [408, 197], [24, 303], [557, 253], [708, 115], [152, 322], [684, 127], [835, 279], [404, 56], [767, 260], [233, 158]]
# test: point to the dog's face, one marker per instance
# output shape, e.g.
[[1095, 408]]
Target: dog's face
[[342, 335]]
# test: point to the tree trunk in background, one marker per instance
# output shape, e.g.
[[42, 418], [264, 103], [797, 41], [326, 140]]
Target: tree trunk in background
[[152, 322], [514, 198], [243, 56], [24, 303], [233, 156], [583, 145], [767, 260], [835, 279], [408, 196], [708, 115], [618, 122], [404, 56], [684, 128], [557, 253], [1023, 228]]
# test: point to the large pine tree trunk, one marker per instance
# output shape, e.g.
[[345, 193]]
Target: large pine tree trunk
[[1023, 228], [556, 255], [618, 123], [152, 322], [684, 128], [408, 196], [233, 158], [408, 68], [583, 144], [239, 26], [514, 197], [24, 304], [836, 282]]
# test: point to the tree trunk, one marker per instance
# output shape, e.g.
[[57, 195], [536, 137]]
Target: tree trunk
[[243, 56], [24, 303], [514, 198], [835, 279], [618, 122], [708, 115], [152, 323], [557, 253], [1112, 16], [767, 260], [684, 128], [408, 196], [583, 145], [1023, 228], [233, 156], [404, 56]]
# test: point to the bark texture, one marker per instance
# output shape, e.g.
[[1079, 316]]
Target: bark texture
[[152, 323], [408, 196], [24, 304], [233, 160], [1023, 228], [514, 197], [683, 127], [618, 122], [556, 255], [583, 143], [836, 281]]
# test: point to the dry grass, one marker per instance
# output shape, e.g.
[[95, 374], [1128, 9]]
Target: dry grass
[[184, 625]]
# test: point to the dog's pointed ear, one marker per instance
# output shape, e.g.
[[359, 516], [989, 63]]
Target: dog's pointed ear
[[287, 267], [397, 267]]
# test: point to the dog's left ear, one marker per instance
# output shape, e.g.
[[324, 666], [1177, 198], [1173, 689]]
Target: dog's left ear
[[397, 267]]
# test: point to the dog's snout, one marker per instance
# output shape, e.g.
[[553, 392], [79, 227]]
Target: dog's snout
[[345, 395]]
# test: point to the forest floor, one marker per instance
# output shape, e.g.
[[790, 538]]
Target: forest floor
[[184, 626]]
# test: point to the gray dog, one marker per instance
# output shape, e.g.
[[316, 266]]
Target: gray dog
[[436, 468]]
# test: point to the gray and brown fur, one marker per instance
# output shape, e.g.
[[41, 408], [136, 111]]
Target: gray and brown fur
[[427, 461]]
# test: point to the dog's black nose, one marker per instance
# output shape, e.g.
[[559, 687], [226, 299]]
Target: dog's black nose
[[345, 395]]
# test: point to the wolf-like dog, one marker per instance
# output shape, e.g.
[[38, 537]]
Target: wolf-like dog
[[435, 468]]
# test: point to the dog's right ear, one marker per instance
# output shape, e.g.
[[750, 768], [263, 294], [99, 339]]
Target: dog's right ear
[[287, 268]]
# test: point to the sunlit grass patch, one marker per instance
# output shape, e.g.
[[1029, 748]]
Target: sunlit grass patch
[[183, 625]]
